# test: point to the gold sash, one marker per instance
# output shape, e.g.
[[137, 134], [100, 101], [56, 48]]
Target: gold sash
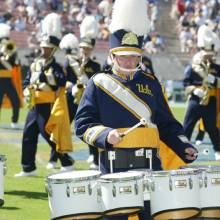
[[139, 138], [218, 108], [44, 97]]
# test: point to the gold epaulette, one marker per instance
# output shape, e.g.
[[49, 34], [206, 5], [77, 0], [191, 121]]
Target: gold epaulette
[[149, 75]]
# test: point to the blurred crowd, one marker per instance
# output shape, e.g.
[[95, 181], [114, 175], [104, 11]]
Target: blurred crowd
[[27, 15], [193, 17]]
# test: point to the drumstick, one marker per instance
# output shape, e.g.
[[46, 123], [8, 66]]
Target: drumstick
[[141, 122]]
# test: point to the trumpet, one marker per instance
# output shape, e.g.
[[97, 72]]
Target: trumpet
[[8, 48], [206, 85]]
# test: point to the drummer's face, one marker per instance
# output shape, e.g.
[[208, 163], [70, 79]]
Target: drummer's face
[[127, 61]]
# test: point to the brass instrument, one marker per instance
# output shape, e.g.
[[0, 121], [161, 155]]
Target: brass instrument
[[31, 97], [79, 69], [8, 48], [205, 85], [81, 88]]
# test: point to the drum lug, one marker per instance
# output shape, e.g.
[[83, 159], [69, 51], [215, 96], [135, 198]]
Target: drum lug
[[205, 181], [190, 183], [170, 184], [136, 188], [152, 185], [4, 169], [48, 190], [68, 191], [99, 193], [200, 182], [90, 189], [114, 191]]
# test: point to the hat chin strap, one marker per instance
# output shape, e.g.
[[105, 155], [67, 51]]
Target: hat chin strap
[[117, 67]]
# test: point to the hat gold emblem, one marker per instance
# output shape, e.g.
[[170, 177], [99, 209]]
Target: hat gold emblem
[[130, 39]]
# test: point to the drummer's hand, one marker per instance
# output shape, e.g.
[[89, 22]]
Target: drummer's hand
[[114, 137], [191, 153]]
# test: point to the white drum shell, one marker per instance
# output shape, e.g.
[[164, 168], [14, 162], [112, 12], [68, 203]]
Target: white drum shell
[[210, 190], [147, 179], [1, 180], [122, 200], [164, 199], [76, 203], [2, 172]]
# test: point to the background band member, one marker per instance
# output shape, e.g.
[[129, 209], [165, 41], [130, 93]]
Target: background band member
[[201, 80], [8, 60], [70, 45], [87, 69], [114, 102], [43, 82]]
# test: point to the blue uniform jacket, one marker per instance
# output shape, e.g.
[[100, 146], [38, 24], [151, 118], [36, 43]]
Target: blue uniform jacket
[[98, 108], [57, 72]]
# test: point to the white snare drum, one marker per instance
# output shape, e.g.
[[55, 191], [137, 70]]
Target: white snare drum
[[122, 193], [2, 173], [147, 179], [210, 191], [74, 195], [175, 194]]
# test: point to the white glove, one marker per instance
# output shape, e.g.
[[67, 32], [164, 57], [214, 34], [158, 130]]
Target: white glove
[[83, 79], [26, 92], [211, 79], [27, 95], [75, 90], [34, 77], [198, 92]]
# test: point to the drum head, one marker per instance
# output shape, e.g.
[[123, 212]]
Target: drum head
[[189, 171], [74, 176], [207, 168], [123, 176]]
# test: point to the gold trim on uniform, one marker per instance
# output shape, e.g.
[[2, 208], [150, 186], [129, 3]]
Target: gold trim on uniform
[[128, 49], [117, 100], [41, 97], [91, 134], [149, 75], [133, 104], [5, 73], [144, 89], [123, 76], [139, 138]]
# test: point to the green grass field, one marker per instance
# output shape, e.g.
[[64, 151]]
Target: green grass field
[[25, 198]]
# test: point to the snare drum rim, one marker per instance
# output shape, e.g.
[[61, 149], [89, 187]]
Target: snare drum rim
[[3, 158], [179, 172], [71, 180], [120, 179], [205, 168]]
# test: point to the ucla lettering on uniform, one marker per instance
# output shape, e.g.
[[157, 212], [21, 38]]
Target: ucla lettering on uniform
[[144, 89]]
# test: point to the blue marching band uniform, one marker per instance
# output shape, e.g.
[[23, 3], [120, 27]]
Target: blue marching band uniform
[[119, 100], [100, 111], [7, 61], [201, 78], [111, 100], [39, 114]]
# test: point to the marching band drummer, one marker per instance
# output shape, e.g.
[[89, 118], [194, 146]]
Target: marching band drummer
[[41, 88], [201, 80], [114, 102]]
